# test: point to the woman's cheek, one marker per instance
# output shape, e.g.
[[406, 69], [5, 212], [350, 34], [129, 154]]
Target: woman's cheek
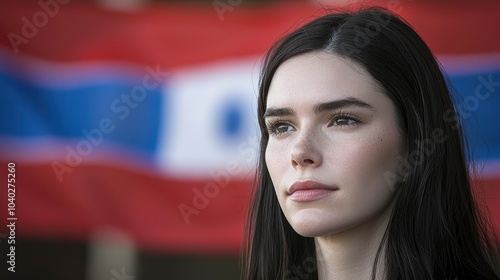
[[276, 159], [367, 158]]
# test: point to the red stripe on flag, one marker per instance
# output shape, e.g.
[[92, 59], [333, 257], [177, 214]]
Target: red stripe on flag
[[144, 206], [179, 35]]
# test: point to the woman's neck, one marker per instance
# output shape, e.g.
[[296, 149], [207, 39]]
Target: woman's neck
[[351, 254]]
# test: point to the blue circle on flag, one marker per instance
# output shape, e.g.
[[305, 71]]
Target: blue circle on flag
[[232, 119]]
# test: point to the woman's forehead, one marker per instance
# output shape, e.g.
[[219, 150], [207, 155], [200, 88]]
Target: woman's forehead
[[320, 77]]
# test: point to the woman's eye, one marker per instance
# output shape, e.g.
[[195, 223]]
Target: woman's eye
[[344, 121], [280, 128]]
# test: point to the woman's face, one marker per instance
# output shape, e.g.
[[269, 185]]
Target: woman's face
[[333, 136]]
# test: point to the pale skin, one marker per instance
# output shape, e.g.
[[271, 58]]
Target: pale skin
[[329, 123]]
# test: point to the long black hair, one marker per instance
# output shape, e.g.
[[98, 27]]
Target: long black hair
[[437, 229]]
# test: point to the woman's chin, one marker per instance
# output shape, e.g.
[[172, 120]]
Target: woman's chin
[[308, 233], [314, 226], [313, 231]]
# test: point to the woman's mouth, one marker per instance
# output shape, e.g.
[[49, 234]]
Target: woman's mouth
[[309, 190]]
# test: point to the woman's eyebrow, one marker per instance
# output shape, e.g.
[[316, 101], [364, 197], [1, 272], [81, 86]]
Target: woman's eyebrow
[[277, 112], [341, 103], [321, 107]]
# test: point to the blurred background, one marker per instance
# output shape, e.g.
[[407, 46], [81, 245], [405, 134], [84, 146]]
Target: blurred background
[[132, 126]]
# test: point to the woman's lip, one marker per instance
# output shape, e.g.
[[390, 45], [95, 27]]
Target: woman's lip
[[309, 190], [309, 195], [308, 185]]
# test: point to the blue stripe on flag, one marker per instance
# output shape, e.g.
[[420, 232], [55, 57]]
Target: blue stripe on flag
[[479, 106], [30, 110]]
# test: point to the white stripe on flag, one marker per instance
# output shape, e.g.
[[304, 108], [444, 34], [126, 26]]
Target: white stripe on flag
[[209, 120]]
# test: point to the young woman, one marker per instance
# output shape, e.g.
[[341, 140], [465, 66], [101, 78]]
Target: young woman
[[363, 171]]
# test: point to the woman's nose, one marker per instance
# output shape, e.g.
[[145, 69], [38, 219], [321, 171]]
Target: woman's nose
[[305, 151]]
